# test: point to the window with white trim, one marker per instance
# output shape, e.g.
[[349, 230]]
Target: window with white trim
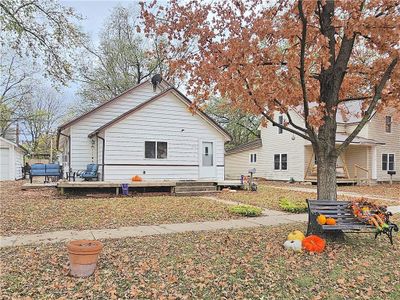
[[253, 158], [280, 162], [387, 162], [280, 122], [157, 150], [388, 124]]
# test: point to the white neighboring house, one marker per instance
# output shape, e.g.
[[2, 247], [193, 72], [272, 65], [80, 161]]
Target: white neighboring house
[[148, 133], [11, 160], [280, 155]]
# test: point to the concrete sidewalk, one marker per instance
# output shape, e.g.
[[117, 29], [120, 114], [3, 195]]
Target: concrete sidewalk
[[270, 218], [275, 218]]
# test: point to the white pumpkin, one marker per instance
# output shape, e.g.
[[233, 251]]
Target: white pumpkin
[[292, 245]]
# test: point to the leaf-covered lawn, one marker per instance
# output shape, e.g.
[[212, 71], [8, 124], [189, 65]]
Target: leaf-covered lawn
[[382, 190], [379, 190], [267, 196], [34, 211], [232, 264]]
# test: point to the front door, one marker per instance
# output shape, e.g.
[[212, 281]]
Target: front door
[[207, 164]]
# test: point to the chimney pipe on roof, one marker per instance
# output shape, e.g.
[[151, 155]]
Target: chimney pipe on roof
[[155, 80]]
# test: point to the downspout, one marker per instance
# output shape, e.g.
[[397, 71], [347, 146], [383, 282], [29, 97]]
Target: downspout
[[102, 156], [69, 149]]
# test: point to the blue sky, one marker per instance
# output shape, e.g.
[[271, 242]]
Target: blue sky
[[94, 12]]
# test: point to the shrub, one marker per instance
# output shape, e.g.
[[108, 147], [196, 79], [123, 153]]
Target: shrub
[[246, 210], [293, 207]]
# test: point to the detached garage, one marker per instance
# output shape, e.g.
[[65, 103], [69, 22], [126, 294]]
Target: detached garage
[[11, 160]]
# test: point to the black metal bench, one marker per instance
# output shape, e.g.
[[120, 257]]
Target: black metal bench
[[345, 219]]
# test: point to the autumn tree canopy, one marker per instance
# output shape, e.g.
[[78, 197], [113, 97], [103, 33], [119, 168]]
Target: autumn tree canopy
[[310, 56]]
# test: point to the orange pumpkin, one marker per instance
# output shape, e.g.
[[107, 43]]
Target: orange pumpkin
[[321, 219], [330, 221], [137, 178], [314, 243]]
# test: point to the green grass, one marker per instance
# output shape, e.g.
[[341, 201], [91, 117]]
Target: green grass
[[291, 206], [246, 210]]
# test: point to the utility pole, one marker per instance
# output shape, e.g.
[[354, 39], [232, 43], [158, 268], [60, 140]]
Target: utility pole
[[51, 149]]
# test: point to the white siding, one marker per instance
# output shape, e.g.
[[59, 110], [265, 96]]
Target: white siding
[[275, 143], [82, 152], [237, 164], [11, 160], [166, 119], [19, 160], [5, 163], [391, 140]]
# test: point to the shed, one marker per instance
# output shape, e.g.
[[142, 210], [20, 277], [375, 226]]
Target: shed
[[11, 160]]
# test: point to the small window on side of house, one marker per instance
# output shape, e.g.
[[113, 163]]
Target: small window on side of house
[[150, 149], [162, 150], [277, 161], [283, 161], [157, 150], [388, 124], [280, 121], [253, 157], [390, 162]]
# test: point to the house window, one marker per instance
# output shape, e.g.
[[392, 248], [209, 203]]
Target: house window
[[388, 124], [277, 161], [283, 161], [253, 158], [162, 150], [280, 161], [151, 148], [280, 121], [387, 162]]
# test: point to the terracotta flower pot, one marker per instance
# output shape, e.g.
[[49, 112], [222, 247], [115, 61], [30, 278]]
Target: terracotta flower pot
[[83, 255]]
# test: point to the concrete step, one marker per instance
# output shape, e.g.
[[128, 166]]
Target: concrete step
[[195, 188], [196, 193], [194, 183]]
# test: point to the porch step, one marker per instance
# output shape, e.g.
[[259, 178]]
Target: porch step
[[196, 193], [195, 183], [192, 188]]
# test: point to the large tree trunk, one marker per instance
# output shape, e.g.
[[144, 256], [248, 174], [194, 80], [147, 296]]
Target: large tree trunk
[[326, 175]]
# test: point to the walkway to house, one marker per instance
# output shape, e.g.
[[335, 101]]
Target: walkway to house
[[272, 218], [340, 193]]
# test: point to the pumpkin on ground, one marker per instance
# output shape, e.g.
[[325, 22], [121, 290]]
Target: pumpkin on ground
[[137, 178], [296, 235], [330, 221], [321, 219], [314, 243], [294, 245]]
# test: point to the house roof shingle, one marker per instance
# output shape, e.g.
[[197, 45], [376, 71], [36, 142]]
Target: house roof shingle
[[257, 143]]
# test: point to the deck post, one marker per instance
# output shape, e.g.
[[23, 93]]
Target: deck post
[[117, 191], [62, 191]]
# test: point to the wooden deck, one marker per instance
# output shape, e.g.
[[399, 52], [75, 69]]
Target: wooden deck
[[76, 185], [28, 186]]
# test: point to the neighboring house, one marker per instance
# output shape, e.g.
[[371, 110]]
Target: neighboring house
[[280, 155], [11, 160], [148, 133]]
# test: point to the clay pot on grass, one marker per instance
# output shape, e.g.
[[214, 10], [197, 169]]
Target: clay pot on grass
[[83, 255]]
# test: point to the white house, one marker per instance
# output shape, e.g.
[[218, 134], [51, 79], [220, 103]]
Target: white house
[[279, 155], [11, 160], [148, 133]]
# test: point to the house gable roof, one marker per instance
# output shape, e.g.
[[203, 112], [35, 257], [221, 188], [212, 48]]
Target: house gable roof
[[77, 119], [180, 96], [255, 144], [17, 146]]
